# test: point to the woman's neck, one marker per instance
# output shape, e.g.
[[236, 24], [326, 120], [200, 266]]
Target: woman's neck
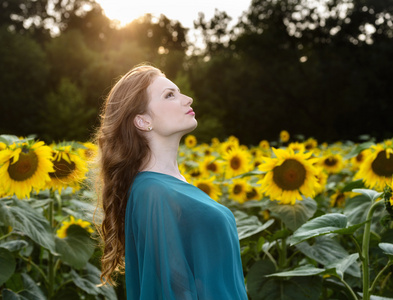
[[163, 157]]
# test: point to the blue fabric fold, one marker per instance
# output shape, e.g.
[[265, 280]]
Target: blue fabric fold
[[180, 244]]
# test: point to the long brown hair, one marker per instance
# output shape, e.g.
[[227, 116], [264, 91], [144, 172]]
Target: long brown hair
[[122, 150]]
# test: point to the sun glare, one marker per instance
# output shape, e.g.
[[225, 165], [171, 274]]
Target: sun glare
[[126, 11], [186, 12]]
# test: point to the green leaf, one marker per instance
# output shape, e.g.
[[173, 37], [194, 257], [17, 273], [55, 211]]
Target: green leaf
[[294, 215], [356, 209], [327, 251], [357, 184], [94, 274], [84, 284], [387, 248], [89, 281], [23, 295], [342, 265], [249, 225], [15, 245], [329, 223], [77, 248], [7, 265], [359, 148], [372, 297], [21, 216], [67, 294], [31, 286], [371, 194], [256, 277], [261, 287], [10, 295], [251, 173], [308, 270]]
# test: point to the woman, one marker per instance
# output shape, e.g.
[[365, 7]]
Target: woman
[[173, 240]]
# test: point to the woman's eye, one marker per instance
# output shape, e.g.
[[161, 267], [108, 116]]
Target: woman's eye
[[169, 95]]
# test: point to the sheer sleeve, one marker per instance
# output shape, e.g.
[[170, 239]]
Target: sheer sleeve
[[164, 270]]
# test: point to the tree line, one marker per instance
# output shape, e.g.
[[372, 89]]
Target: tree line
[[322, 71]]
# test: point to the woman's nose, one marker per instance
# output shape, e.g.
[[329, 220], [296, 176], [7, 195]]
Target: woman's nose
[[188, 100]]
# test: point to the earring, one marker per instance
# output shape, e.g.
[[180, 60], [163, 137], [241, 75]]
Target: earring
[[149, 128]]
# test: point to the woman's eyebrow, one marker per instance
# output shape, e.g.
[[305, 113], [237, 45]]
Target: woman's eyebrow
[[171, 89]]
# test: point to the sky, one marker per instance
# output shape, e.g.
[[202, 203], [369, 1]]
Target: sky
[[184, 11]]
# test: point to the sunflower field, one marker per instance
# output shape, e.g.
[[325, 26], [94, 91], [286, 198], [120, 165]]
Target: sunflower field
[[315, 221]]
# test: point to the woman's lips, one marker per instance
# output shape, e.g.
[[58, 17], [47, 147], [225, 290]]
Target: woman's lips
[[191, 112]]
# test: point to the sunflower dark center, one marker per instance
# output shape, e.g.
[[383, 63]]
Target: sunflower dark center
[[383, 166], [251, 194], [290, 175], [339, 200], [330, 161], [237, 189], [359, 157], [62, 168], [25, 167], [204, 187], [212, 167], [89, 153], [235, 163], [195, 173]]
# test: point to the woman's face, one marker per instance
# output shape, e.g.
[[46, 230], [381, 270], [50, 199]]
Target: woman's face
[[170, 111]]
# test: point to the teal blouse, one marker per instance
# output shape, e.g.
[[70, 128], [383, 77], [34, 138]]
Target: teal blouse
[[180, 244]]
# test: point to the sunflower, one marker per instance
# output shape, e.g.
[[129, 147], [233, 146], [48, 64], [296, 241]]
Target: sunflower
[[297, 147], [264, 144], [204, 149], [310, 144], [237, 161], [377, 168], [215, 143], [62, 231], [258, 159], [322, 178], [190, 141], [238, 190], [209, 187], [265, 214], [332, 163], [25, 167], [88, 153], [230, 144], [357, 161], [69, 169], [254, 193], [337, 199], [288, 176], [284, 136], [210, 164], [192, 173]]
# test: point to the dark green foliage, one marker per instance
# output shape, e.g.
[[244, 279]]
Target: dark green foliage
[[282, 66]]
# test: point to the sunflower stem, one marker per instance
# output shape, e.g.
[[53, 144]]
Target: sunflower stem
[[379, 275], [51, 270], [357, 247], [35, 266], [282, 251], [6, 235], [348, 287], [365, 250]]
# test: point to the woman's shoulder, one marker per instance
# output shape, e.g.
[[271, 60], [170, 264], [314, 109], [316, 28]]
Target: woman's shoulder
[[149, 180]]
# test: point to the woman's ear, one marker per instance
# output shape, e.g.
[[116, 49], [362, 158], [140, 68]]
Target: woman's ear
[[142, 122]]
